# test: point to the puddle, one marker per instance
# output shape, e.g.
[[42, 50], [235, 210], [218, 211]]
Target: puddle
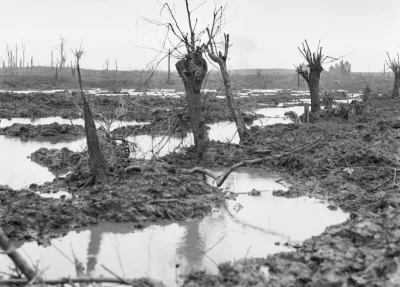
[[18, 171], [225, 235], [56, 195]]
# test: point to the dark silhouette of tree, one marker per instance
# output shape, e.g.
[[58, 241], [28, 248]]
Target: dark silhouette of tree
[[312, 73], [394, 65]]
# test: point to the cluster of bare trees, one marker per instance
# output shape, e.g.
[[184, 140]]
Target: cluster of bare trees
[[12, 60], [192, 67]]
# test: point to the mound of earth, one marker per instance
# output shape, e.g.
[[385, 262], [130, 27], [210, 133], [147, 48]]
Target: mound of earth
[[56, 160], [31, 131]]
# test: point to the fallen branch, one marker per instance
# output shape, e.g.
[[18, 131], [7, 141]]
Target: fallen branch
[[380, 185], [18, 260], [220, 178]]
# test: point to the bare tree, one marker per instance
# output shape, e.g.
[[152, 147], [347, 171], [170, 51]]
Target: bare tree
[[220, 58], [31, 63], [62, 51], [258, 73], [192, 68], [115, 75], [112, 114], [52, 59], [23, 53], [107, 61], [97, 162], [16, 55], [312, 72], [169, 67], [394, 65], [9, 56], [55, 79]]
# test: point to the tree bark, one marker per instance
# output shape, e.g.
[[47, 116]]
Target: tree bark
[[192, 69], [236, 114], [313, 86], [97, 162], [396, 86]]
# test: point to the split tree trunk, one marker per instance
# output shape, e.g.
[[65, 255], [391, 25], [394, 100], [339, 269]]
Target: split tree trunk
[[193, 69], [97, 162], [235, 112], [396, 87], [313, 86]]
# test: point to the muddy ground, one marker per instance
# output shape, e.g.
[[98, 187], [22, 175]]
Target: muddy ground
[[353, 164], [37, 131], [149, 108], [153, 193]]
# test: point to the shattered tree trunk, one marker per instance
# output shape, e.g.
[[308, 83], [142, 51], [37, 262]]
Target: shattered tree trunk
[[192, 69], [97, 162], [396, 87], [235, 112], [313, 86]]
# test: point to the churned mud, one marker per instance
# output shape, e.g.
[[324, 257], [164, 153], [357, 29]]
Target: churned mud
[[150, 193], [352, 163], [31, 131], [353, 166], [141, 108]]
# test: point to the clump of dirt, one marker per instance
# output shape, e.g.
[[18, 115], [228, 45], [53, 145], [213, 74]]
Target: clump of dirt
[[56, 160], [31, 131]]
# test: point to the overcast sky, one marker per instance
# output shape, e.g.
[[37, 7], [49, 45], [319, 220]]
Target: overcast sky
[[264, 33]]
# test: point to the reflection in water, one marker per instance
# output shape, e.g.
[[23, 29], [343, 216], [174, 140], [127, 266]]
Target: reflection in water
[[224, 235], [192, 246]]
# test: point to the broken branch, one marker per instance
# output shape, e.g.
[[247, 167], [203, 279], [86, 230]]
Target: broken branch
[[220, 178]]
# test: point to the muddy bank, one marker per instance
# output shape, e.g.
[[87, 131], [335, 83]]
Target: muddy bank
[[154, 193], [360, 252], [31, 131]]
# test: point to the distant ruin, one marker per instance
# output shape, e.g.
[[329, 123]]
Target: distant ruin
[[341, 68]]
